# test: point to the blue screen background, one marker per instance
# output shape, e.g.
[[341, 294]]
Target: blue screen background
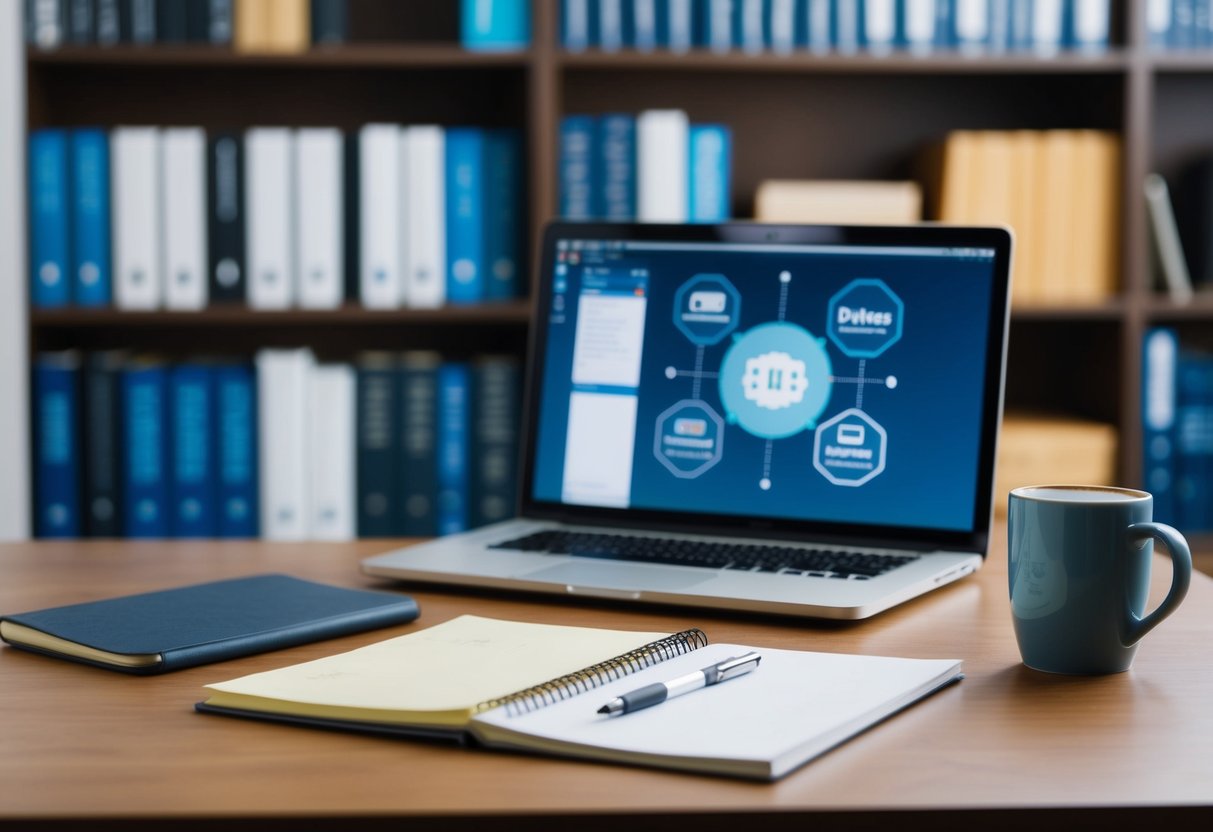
[[932, 417]]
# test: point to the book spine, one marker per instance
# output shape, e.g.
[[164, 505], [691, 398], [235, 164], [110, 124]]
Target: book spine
[[109, 27], [880, 26], [495, 25], [319, 202], [425, 257], [1090, 20], [91, 217], [236, 498], [183, 176], [1160, 351], [1158, 23], [269, 194], [504, 206], [102, 445], [708, 180], [465, 215], [972, 25], [50, 255], [192, 485], [48, 23], [418, 450], [1183, 24], [782, 26], [81, 22], [351, 215], [1193, 442], [453, 434], [661, 166], [918, 26], [718, 25], [330, 22], [56, 446], [1048, 26], [221, 22], [644, 25], [172, 21], [496, 422], [144, 28], [380, 210], [282, 405], [999, 39], [848, 26], [144, 405], [575, 25], [331, 444], [289, 26], [680, 25], [611, 34], [577, 167], [616, 166], [136, 216], [225, 196], [377, 435]]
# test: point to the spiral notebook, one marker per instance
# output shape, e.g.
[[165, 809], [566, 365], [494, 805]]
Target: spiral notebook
[[538, 687]]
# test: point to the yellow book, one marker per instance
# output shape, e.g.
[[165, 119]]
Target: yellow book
[[550, 688], [838, 201], [990, 201], [1038, 449], [1025, 285], [958, 173], [290, 26], [251, 33], [1108, 205], [1054, 224]]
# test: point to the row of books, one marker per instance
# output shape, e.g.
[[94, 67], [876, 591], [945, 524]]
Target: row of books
[[846, 26], [1181, 226], [247, 26], [1035, 448], [285, 448], [148, 218], [655, 167], [1180, 24], [1058, 190], [1177, 430]]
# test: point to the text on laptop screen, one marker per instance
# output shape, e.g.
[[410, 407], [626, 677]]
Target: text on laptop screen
[[836, 384]]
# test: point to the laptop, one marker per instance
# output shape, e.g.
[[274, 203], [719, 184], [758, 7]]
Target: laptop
[[798, 420]]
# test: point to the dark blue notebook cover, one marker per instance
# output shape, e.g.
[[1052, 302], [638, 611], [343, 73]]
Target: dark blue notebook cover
[[216, 621]]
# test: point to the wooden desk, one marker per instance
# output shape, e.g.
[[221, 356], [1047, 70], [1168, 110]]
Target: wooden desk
[[104, 750]]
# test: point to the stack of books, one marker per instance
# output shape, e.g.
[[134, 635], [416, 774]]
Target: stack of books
[[1179, 24], [845, 26], [655, 167], [145, 218], [1058, 190], [285, 448]]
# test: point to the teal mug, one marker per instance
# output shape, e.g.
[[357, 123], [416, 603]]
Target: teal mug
[[1079, 569]]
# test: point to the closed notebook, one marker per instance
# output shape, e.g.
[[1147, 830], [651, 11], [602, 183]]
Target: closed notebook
[[171, 629], [538, 688]]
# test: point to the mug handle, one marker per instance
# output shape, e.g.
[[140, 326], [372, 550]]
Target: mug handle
[[1181, 565]]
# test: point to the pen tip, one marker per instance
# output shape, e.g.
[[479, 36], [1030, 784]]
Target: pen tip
[[605, 709]]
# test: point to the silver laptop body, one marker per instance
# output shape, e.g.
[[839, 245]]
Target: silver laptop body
[[798, 420]]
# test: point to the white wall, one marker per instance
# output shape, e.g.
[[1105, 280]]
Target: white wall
[[14, 375]]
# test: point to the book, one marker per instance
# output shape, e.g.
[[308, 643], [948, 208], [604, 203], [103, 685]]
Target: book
[[289, 26], [454, 445], [424, 272], [137, 218], [225, 217], [847, 202], [102, 444], [577, 190], [1166, 246], [81, 22], [56, 404], [90, 217], [848, 27], [378, 438], [972, 25], [140, 24], [921, 29], [236, 495], [1090, 24], [537, 687], [1158, 23], [283, 464], [269, 236], [381, 214], [612, 29], [330, 22], [191, 410], [47, 22], [644, 30], [495, 25], [1035, 448], [172, 21], [818, 25], [575, 22], [331, 444], [251, 26], [183, 177], [718, 25], [680, 25], [880, 26], [171, 629], [146, 449], [49, 217], [466, 215], [210, 22], [1160, 358], [108, 27], [709, 173], [661, 166], [1048, 26], [781, 25], [1194, 441], [416, 489], [318, 206], [504, 206], [614, 149], [496, 421]]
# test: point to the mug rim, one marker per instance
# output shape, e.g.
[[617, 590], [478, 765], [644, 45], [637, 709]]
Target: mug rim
[[1137, 495]]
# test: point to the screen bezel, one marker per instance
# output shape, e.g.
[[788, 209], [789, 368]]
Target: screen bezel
[[874, 534]]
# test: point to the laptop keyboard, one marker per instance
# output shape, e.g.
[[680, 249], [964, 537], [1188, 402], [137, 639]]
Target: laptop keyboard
[[746, 557]]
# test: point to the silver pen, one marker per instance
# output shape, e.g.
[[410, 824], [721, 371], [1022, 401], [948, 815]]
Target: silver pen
[[659, 692]]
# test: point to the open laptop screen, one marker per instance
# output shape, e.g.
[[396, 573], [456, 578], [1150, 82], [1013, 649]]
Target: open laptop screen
[[823, 377]]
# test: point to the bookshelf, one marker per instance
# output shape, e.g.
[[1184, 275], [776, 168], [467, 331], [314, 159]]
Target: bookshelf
[[793, 116]]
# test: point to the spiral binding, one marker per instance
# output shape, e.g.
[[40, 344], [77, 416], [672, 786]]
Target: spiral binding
[[568, 686]]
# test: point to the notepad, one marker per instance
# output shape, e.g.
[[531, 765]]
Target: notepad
[[538, 687]]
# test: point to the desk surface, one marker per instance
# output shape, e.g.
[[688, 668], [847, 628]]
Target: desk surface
[[80, 743]]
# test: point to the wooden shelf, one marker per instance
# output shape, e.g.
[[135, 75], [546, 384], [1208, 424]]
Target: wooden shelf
[[514, 313], [1112, 62], [1162, 309], [1195, 61], [353, 56]]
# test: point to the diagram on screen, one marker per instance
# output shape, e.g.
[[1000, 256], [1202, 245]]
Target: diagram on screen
[[776, 380]]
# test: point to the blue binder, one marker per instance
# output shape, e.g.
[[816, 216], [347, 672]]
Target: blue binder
[[91, 217], [49, 200], [192, 409], [56, 445], [465, 215], [454, 391], [144, 407], [503, 205], [236, 504]]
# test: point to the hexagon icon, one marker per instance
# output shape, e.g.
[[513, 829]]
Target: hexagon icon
[[689, 438], [775, 380], [865, 318], [707, 308], [850, 448]]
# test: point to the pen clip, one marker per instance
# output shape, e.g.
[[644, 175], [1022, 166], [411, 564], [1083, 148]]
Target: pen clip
[[736, 666]]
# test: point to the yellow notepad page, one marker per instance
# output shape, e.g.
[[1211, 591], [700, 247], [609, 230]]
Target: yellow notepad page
[[435, 676]]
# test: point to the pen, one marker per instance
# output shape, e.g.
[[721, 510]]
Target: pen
[[659, 692]]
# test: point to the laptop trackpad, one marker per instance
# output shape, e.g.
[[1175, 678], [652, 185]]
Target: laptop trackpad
[[616, 576]]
